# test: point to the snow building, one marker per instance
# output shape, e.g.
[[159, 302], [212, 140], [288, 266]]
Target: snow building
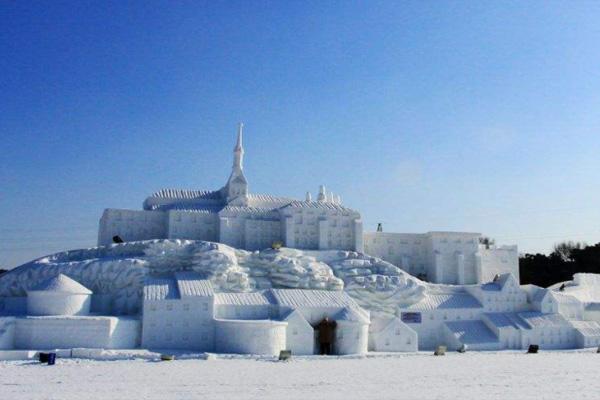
[[502, 294], [352, 331], [444, 257], [183, 312], [178, 313], [235, 216], [391, 335], [428, 316]]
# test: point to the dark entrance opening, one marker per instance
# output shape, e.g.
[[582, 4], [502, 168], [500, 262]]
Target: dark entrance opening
[[326, 336]]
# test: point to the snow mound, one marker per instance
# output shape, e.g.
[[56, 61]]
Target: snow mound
[[118, 271]]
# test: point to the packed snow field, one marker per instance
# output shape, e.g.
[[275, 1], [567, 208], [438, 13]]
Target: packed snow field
[[503, 375]]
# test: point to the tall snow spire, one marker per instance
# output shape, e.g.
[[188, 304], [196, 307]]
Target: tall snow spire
[[238, 150], [237, 185]]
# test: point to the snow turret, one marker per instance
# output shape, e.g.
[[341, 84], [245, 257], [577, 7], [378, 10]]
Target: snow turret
[[59, 295], [322, 194]]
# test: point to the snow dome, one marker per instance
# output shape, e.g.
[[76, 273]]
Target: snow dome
[[59, 295]]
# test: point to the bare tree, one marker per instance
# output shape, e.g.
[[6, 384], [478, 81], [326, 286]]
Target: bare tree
[[487, 241], [564, 250]]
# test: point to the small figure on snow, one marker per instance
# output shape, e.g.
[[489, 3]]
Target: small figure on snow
[[326, 335]]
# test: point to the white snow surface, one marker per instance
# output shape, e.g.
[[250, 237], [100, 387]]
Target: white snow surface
[[119, 271], [473, 375]]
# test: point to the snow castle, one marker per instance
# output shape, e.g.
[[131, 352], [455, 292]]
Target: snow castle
[[229, 271], [234, 216]]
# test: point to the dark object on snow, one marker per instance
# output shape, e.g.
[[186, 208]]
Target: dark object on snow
[[562, 287], [117, 239], [533, 349], [326, 335], [51, 358], [379, 227], [440, 351], [43, 357], [598, 351], [463, 348], [167, 357], [285, 355]]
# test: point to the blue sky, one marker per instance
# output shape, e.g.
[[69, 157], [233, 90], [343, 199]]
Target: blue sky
[[470, 116]]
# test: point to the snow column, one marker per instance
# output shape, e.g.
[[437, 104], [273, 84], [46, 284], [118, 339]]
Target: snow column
[[460, 264], [323, 236], [290, 240], [437, 265], [358, 236]]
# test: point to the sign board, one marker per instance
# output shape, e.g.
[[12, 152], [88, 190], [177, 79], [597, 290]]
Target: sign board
[[411, 317]]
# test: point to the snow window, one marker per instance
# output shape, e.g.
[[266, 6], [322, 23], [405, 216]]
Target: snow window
[[152, 307], [341, 334], [387, 342], [205, 306], [431, 317], [186, 307], [398, 332], [295, 331], [408, 341]]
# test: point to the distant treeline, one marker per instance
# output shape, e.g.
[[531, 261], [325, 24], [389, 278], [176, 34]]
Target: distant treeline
[[567, 259]]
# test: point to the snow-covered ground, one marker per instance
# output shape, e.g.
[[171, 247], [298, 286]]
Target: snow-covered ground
[[503, 375]]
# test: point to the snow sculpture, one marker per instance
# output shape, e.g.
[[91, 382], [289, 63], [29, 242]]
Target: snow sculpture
[[236, 217], [60, 295], [290, 291]]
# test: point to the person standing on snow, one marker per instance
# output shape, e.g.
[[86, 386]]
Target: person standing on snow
[[326, 335]]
